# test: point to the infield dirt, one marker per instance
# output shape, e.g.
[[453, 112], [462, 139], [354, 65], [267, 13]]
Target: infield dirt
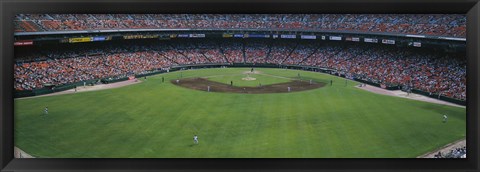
[[202, 85]]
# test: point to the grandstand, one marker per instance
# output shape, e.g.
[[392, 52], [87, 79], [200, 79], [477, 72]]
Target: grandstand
[[445, 72], [435, 24], [434, 73]]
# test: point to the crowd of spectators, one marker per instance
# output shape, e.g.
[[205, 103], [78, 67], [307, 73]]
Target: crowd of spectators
[[60, 71], [454, 153], [256, 51], [233, 51], [192, 53], [280, 50], [434, 72], [210, 50], [429, 24], [301, 52]]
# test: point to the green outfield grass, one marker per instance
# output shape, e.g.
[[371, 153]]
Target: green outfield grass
[[154, 119]]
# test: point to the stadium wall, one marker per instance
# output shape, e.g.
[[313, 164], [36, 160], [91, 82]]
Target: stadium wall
[[448, 99], [51, 89]]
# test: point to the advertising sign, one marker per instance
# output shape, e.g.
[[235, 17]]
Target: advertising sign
[[75, 40], [99, 38], [288, 36], [308, 37], [196, 35], [335, 38], [23, 43], [371, 40], [226, 35], [388, 41]]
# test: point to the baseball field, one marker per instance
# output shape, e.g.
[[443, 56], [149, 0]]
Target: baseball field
[[154, 119]]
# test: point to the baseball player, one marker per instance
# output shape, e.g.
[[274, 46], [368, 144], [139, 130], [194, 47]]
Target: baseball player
[[195, 139]]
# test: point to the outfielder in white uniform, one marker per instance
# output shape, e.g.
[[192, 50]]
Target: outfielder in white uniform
[[195, 139]]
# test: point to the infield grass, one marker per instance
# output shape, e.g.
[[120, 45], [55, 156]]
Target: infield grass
[[260, 79], [154, 119]]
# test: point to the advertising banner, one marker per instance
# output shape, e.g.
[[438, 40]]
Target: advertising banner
[[64, 40], [417, 44], [183, 36], [23, 43], [75, 40], [288, 36], [355, 39], [308, 37], [238, 36], [226, 35], [275, 36], [388, 41], [99, 38], [149, 36], [335, 38], [132, 36], [371, 40], [140, 36], [196, 35], [256, 36]]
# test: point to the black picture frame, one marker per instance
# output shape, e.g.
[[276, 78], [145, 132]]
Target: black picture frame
[[9, 8]]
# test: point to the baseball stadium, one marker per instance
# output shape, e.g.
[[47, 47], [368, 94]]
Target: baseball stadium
[[240, 86]]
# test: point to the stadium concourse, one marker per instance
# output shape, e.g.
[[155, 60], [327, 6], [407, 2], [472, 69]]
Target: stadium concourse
[[437, 73], [428, 24]]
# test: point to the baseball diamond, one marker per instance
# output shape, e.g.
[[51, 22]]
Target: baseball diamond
[[240, 85], [155, 119]]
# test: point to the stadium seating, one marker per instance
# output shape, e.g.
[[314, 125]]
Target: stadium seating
[[428, 24], [431, 72], [454, 153]]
